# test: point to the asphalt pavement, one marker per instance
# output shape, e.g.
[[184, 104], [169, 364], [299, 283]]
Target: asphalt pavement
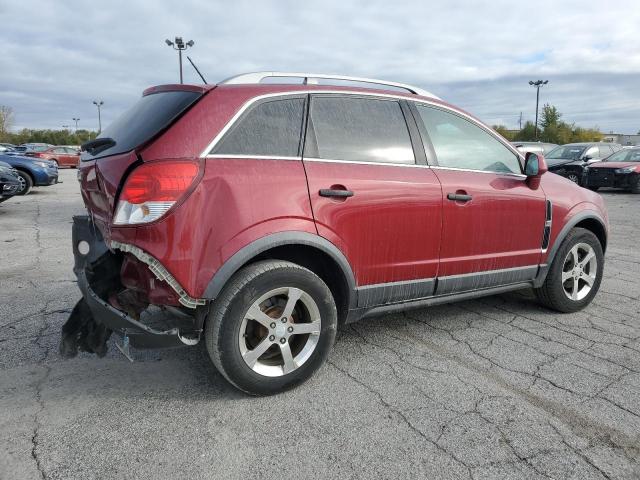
[[494, 388]]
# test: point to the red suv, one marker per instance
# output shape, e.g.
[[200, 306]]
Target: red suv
[[261, 216]]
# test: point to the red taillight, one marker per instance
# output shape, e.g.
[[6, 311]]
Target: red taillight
[[165, 181], [152, 189]]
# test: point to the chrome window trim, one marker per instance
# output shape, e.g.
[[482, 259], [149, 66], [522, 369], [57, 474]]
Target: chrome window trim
[[249, 157], [364, 162], [423, 101], [508, 174]]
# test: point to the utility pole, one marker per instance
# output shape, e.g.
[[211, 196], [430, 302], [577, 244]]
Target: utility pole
[[99, 103], [179, 45], [537, 84], [520, 121], [76, 120]]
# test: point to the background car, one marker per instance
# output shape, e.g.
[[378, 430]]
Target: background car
[[620, 170], [32, 172], [9, 181], [535, 147], [569, 160], [63, 156], [36, 147]]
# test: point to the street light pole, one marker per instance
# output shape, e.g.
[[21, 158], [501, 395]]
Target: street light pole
[[179, 45], [99, 103], [76, 120], [537, 84]]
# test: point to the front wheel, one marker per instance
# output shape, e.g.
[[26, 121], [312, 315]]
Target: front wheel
[[26, 183], [272, 327], [575, 274], [574, 178]]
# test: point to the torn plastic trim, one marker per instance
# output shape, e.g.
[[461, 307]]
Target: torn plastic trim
[[160, 272]]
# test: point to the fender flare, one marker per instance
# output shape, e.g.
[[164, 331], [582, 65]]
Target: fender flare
[[577, 218], [246, 253]]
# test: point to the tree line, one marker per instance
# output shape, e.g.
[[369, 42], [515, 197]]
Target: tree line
[[551, 130], [29, 135]]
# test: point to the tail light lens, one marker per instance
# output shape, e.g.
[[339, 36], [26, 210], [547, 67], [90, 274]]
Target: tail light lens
[[152, 189]]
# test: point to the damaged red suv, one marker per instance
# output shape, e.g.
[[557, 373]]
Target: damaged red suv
[[261, 216]]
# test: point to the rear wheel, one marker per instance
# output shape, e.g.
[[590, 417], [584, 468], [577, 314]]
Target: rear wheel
[[635, 184], [271, 327], [55, 161], [26, 183], [575, 274]]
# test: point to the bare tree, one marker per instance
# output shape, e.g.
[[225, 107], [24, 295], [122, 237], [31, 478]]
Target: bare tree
[[6, 118]]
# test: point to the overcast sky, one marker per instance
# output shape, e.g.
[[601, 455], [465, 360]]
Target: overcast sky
[[58, 56]]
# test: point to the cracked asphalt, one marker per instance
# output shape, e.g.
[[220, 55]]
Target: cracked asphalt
[[494, 388]]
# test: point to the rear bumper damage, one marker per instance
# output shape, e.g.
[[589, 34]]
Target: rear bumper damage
[[95, 317]]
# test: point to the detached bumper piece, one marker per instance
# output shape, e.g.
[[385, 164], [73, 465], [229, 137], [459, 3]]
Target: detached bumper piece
[[94, 319]]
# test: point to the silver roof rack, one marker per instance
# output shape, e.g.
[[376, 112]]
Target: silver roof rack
[[312, 79]]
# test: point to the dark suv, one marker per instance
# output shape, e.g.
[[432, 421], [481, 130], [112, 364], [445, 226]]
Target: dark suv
[[571, 159], [261, 216]]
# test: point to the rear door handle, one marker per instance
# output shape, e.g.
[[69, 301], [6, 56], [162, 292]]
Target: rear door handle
[[459, 197], [332, 192]]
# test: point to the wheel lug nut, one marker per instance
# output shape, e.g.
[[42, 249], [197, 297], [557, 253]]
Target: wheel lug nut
[[273, 325], [284, 319], [283, 340], [272, 337], [290, 329]]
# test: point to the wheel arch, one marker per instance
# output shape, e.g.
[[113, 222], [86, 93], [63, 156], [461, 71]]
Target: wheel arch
[[589, 220], [310, 251]]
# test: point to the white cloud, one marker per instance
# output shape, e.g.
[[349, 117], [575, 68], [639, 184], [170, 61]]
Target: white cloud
[[59, 56]]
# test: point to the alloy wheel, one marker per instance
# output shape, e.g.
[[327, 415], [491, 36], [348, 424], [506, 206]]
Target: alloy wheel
[[573, 177], [579, 271], [279, 332], [23, 184]]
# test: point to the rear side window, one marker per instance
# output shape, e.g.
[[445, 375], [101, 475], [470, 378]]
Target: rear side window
[[358, 129], [151, 114], [270, 128], [605, 151], [458, 143]]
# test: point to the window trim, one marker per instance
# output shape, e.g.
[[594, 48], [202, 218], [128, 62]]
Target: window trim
[[245, 111], [423, 130], [411, 101], [418, 157]]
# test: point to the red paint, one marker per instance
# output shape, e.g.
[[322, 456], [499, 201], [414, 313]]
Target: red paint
[[63, 159], [397, 226], [501, 227]]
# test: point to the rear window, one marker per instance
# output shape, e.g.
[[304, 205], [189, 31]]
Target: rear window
[[151, 114]]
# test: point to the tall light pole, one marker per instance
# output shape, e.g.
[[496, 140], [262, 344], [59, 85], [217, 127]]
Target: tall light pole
[[537, 84], [179, 45], [99, 103], [76, 120]]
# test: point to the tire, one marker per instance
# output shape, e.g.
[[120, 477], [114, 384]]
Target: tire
[[635, 185], [26, 183], [556, 294], [574, 178], [262, 290], [56, 162]]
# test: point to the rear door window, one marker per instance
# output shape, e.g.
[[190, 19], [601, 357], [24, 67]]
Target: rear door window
[[150, 115], [359, 130], [271, 128]]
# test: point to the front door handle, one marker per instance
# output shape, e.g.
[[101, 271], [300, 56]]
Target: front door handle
[[459, 197], [333, 192]]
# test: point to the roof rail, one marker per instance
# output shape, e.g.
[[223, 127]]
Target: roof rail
[[312, 79]]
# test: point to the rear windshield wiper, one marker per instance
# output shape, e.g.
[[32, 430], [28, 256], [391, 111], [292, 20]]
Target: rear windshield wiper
[[97, 145]]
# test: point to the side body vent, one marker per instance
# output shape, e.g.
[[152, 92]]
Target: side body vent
[[546, 235]]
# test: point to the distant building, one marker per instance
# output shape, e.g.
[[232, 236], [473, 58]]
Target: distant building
[[622, 139]]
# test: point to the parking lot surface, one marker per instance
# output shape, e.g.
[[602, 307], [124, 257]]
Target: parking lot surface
[[492, 388]]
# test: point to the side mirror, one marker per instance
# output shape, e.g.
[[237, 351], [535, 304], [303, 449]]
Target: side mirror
[[586, 158], [534, 165]]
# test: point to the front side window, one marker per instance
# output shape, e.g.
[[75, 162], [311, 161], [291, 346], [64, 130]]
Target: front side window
[[59, 150], [592, 153], [605, 151], [567, 152], [358, 129], [458, 143], [271, 128]]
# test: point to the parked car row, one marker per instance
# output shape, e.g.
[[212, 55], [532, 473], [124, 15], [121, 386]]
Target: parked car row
[[62, 155], [32, 172], [591, 165]]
